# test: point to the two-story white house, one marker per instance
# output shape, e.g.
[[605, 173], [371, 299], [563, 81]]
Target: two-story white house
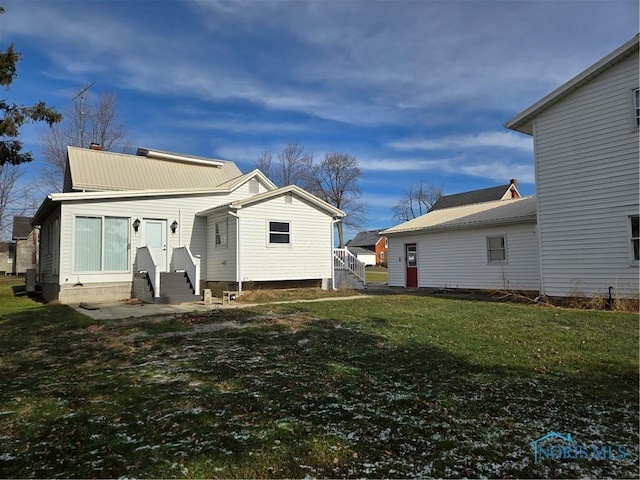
[[580, 234], [586, 151]]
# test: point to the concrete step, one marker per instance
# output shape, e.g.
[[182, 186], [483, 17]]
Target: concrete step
[[175, 288]]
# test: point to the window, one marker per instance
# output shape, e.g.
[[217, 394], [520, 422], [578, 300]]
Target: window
[[636, 107], [101, 244], [221, 233], [279, 233], [496, 249], [635, 238]]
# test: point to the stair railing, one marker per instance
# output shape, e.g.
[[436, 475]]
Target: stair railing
[[146, 263], [343, 259], [183, 259]]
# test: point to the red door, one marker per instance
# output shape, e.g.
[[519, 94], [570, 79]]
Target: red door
[[411, 259]]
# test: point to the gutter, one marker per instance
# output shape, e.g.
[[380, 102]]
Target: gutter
[[238, 258]]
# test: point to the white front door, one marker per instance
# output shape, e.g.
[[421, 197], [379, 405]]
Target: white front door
[[155, 235]]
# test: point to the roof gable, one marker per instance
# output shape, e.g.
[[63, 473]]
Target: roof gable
[[498, 212], [97, 170], [262, 197], [242, 179], [523, 121], [21, 227], [365, 239], [501, 192]]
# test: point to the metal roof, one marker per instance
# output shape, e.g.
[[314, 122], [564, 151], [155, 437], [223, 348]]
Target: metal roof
[[498, 212], [97, 170]]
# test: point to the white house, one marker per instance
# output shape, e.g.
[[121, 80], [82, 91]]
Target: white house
[[486, 245], [585, 213], [159, 213], [586, 152]]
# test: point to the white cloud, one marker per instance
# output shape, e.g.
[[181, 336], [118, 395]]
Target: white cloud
[[405, 164], [494, 170], [357, 62], [507, 140]]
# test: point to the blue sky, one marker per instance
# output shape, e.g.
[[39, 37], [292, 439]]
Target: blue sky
[[414, 89]]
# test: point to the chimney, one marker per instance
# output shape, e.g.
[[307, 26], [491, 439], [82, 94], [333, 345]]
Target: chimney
[[514, 188], [95, 146]]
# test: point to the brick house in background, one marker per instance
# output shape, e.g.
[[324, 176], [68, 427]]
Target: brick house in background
[[370, 241], [26, 249]]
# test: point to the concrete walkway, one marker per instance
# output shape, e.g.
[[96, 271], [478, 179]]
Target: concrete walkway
[[118, 310]]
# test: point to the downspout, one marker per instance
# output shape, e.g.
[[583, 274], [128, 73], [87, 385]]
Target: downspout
[[238, 272], [180, 228], [334, 220], [537, 228]]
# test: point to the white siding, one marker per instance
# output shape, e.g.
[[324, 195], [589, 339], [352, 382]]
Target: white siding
[[458, 259], [310, 254], [587, 177], [395, 259], [191, 230], [49, 242], [221, 259]]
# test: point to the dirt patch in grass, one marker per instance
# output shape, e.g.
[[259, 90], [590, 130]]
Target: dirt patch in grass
[[279, 295]]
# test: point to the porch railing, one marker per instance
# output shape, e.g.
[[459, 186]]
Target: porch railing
[[343, 259], [146, 263], [183, 259]]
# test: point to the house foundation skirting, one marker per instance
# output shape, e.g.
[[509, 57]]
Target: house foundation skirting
[[95, 292], [217, 287]]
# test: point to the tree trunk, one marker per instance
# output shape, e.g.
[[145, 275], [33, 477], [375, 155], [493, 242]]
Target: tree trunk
[[340, 233]]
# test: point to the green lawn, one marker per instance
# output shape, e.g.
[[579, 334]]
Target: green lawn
[[377, 275], [395, 386]]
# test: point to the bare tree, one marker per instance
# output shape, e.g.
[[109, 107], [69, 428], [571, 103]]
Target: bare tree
[[336, 181], [9, 175], [294, 166], [417, 200], [86, 121], [264, 163]]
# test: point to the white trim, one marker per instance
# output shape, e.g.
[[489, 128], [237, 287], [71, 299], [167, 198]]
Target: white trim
[[149, 153]]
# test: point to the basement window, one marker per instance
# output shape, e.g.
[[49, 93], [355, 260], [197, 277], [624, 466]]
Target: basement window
[[280, 233], [496, 249]]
